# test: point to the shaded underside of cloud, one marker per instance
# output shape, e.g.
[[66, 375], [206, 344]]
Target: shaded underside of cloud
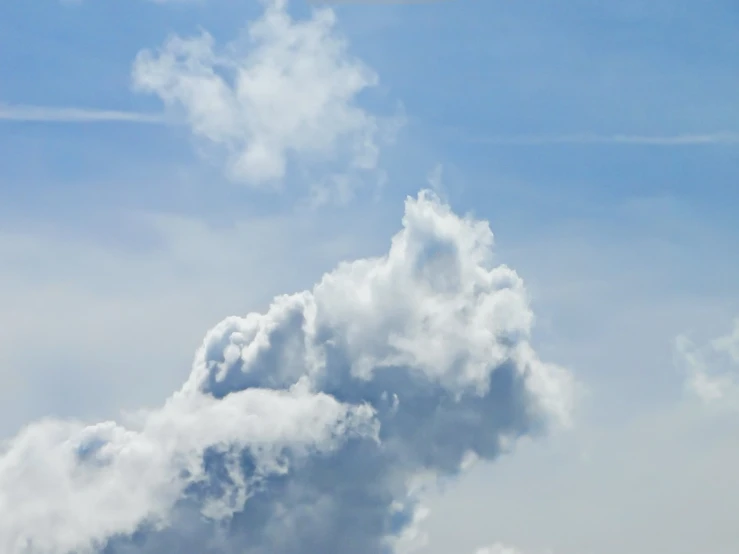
[[305, 428]]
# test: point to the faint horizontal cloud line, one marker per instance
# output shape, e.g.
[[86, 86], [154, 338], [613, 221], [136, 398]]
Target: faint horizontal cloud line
[[373, 2], [24, 113], [41, 114], [685, 139]]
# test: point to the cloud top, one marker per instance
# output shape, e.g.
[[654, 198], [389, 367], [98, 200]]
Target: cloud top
[[303, 429]]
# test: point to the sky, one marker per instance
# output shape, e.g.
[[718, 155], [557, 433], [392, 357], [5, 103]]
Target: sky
[[436, 277]]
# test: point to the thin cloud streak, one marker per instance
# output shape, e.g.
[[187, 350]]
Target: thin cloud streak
[[42, 114], [685, 139]]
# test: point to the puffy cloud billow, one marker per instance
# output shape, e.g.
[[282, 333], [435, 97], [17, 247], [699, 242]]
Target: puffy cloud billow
[[302, 429], [286, 92]]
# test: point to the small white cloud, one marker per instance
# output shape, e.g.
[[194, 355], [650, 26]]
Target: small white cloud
[[435, 180], [285, 93], [712, 370]]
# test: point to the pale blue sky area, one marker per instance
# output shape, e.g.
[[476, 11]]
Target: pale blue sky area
[[471, 75], [467, 72]]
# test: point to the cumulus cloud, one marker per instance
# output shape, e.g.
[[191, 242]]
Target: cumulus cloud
[[713, 369], [284, 93], [306, 428]]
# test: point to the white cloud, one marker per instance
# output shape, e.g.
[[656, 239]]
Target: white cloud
[[277, 424], [435, 179], [712, 370], [285, 93]]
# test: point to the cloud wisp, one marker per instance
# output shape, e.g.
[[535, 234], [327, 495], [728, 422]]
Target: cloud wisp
[[712, 371], [305, 428], [46, 114], [50, 114]]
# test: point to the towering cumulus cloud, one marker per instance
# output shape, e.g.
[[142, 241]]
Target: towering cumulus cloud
[[301, 430]]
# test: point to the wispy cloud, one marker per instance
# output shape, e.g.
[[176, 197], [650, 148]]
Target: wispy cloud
[[25, 113], [683, 139], [712, 371], [50, 114]]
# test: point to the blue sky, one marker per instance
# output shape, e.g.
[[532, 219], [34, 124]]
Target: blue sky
[[500, 70], [600, 141]]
